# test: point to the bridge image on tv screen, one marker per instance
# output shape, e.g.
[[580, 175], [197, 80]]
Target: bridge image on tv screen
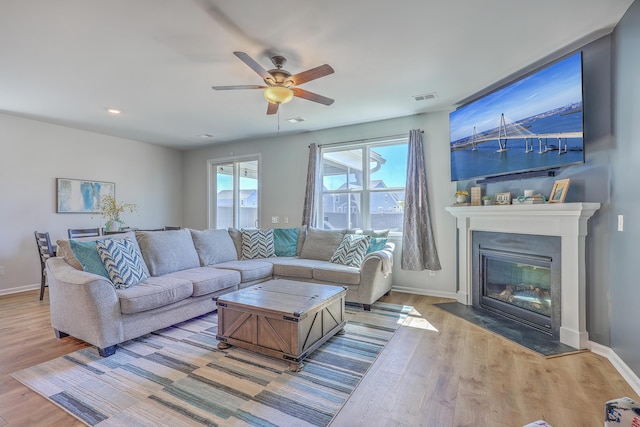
[[534, 123]]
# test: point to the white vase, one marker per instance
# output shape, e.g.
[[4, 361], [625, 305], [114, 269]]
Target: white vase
[[112, 226], [461, 199]]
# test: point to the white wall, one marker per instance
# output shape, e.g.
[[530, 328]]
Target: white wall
[[33, 154], [284, 173]]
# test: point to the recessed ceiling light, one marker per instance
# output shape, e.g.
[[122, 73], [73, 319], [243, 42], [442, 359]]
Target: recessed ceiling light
[[425, 97], [295, 120], [113, 111], [205, 135]]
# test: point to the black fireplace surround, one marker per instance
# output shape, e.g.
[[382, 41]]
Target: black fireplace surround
[[518, 276]]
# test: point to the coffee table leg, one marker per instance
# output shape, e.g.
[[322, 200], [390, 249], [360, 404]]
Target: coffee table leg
[[223, 345], [296, 366]]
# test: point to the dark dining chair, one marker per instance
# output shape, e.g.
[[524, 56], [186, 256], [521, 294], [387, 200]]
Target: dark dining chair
[[45, 251], [74, 233]]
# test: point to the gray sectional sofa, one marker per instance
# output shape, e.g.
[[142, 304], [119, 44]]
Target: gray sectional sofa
[[185, 270]]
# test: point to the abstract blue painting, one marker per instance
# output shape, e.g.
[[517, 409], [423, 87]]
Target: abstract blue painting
[[82, 196]]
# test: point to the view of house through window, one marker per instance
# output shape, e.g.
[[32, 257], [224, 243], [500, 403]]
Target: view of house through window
[[235, 185], [363, 186]]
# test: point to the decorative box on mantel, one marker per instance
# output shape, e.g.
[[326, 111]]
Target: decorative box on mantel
[[566, 220]]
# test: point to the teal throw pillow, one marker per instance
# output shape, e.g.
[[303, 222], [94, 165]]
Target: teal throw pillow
[[376, 243], [123, 262], [285, 241], [87, 255]]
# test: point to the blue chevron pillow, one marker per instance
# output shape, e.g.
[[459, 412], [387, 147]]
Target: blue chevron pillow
[[123, 262], [352, 250], [257, 243]]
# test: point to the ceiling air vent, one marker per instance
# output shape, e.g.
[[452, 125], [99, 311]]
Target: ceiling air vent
[[425, 96]]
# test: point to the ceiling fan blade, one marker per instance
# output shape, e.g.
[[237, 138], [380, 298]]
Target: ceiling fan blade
[[272, 108], [253, 65], [238, 87], [305, 94], [312, 74]]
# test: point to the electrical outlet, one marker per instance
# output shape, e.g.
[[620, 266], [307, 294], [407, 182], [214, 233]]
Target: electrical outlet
[[432, 273], [620, 222], [286, 220], [1, 270], [275, 219]]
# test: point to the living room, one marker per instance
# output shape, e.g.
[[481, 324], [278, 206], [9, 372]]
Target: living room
[[170, 185]]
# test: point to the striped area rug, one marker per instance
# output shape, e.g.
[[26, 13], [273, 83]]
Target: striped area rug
[[178, 377]]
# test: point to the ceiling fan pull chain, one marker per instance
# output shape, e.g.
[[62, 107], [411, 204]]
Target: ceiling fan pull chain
[[278, 122]]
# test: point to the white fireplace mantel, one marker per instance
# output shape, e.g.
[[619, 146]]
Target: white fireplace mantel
[[567, 220]]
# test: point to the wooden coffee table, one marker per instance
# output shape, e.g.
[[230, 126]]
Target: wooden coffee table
[[281, 318]]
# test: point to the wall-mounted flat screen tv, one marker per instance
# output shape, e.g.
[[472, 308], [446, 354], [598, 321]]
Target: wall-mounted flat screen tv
[[532, 124]]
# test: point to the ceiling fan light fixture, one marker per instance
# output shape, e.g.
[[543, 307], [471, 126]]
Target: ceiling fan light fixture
[[278, 94]]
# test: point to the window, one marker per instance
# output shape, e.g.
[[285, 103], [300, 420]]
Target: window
[[363, 185], [234, 185]]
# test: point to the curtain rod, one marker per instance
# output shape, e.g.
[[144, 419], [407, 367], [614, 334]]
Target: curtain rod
[[381, 138]]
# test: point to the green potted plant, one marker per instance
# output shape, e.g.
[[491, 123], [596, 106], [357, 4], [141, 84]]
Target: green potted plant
[[487, 200], [112, 211]]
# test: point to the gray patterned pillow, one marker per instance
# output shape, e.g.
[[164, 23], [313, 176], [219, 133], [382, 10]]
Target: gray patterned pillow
[[123, 262], [351, 251], [258, 244]]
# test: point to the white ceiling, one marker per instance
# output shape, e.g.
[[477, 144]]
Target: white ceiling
[[65, 61]]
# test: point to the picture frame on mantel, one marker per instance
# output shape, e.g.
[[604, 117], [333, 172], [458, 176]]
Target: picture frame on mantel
[[503, 199], [81, 195], [559, 190]]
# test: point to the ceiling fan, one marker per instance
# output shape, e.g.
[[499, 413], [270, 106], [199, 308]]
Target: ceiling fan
[[281, 86]]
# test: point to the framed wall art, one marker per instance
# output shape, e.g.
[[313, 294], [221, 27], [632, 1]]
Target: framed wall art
[[81, 196], [559, 191], [503, 199]]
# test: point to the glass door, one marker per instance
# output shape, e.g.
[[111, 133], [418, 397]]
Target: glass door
[[235, 197]]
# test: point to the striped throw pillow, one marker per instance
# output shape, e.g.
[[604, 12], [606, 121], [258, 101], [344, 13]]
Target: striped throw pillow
[[352, 250], [123, 262], [257, 243]]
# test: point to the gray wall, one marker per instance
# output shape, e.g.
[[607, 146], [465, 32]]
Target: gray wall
[[33, 154], [589, 182], [284, 173], [625, 164]]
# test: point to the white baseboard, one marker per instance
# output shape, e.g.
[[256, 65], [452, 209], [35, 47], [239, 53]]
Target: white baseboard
[[630, 377], [19, 289], [425, 292]]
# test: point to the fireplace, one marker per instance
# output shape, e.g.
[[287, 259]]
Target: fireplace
[[566, 221], [518, 276]]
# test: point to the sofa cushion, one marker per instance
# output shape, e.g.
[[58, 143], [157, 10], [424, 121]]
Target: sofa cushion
[[285, 241], [352, 250], [336, 273], [87, 255], [292, 267], [167, 251], [153, 292], [321, 244], [123, 262], [257, 243], [249, 270], [206, 280], [213, 246], [236, 236]]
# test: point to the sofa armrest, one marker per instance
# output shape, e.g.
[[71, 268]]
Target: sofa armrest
[[375, 274], [83, 305]]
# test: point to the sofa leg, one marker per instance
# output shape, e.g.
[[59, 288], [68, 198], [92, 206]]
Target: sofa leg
[[388, 293], [367, 307], [60, 334], [107, 351]]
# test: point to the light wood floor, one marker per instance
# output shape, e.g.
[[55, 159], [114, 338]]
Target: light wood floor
[[440, 372]]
